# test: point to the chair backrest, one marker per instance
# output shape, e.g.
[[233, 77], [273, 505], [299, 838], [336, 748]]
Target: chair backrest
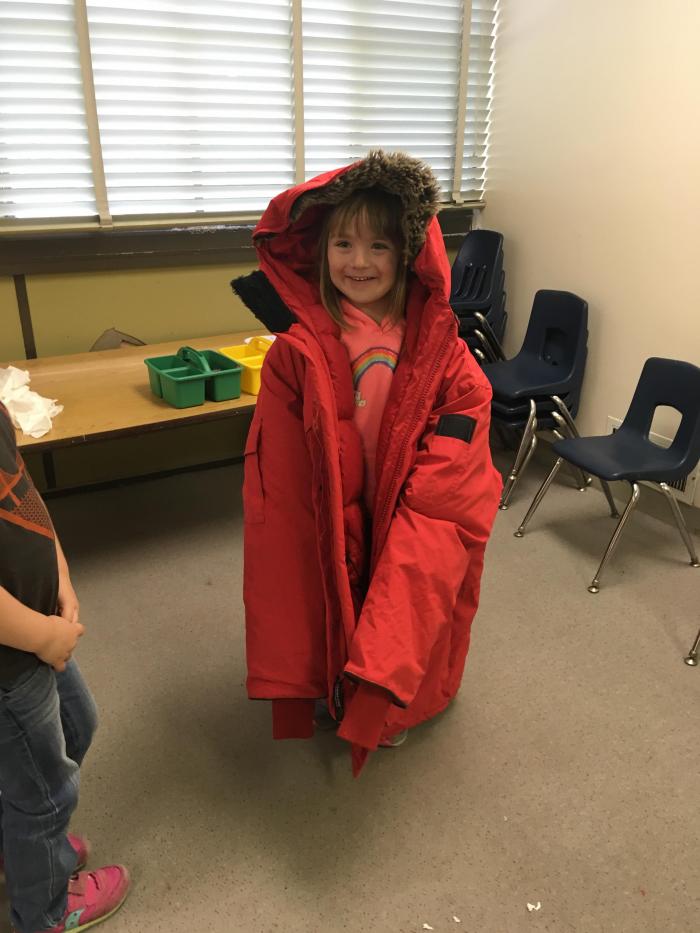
[[557, 332], [478, 267], [673, 384]]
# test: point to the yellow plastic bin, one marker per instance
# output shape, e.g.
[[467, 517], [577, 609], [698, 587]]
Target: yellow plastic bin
[[250, 357]]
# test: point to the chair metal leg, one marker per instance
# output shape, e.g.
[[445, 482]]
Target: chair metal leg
[[629, 508], [692, 659], [487, 348], [525, 451], [582, 480], [490, 336], [680, 522], [566, 415], [609, 496], [539, 497], [514, 479], [479, 354]]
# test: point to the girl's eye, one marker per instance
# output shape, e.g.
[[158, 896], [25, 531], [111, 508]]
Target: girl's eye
[[380, 245], [342, 244]]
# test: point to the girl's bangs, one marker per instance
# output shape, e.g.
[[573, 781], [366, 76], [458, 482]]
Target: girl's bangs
[[380, 212]]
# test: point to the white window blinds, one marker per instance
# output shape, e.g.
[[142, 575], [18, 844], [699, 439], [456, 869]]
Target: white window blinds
[[194, 103], [45, 166], [209, 109], [381, 73], [478, 98]]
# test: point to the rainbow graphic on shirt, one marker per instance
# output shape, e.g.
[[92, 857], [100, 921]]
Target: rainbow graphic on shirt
[[375, 356]]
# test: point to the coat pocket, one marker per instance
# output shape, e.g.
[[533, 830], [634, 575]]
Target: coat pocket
[[253, 496]]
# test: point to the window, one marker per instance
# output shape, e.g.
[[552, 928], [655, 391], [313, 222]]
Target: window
[[125, 112], [45, 167]]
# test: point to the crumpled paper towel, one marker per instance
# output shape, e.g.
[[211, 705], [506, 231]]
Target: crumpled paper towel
[[30, 412]]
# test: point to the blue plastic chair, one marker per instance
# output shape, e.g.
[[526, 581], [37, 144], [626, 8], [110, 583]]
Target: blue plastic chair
[[540, 387], [477, 272], [478, 291], [629, 455]]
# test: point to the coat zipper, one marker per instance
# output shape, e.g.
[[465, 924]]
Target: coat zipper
[[339, 698], [399, 460]]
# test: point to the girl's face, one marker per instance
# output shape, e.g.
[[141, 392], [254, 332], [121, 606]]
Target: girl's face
[[362, 267]]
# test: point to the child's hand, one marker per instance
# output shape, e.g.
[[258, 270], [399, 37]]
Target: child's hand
[[61, 638], [68, 605]]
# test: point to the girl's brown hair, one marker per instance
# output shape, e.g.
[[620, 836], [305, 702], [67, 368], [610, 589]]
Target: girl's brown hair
[[382, 213]]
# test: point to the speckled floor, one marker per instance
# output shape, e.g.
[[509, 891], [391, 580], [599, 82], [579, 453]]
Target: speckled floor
[[566, 774]]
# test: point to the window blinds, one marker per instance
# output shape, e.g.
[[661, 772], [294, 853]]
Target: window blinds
[[478, 98], [381, 73], [194, 103], [209, 109], [45, 166]]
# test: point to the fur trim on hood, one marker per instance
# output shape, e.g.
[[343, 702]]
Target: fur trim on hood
[[287, 242], [399, 174]]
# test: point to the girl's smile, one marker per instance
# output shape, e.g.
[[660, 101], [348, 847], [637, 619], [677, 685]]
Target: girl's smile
[[363, 267]]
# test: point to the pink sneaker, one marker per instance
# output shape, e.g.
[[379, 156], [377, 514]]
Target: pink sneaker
[[93, 896], [79, 843]]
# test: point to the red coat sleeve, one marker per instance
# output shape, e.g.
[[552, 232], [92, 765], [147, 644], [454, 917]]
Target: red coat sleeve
[[442, 522], [283, 591]]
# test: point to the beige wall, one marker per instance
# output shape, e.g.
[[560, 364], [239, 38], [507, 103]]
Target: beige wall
[[595, 178]]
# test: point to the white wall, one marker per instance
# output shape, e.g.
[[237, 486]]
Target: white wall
[[595, 178]]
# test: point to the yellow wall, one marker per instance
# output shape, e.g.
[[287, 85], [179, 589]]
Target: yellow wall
[[69, 312], [594, 179], [11, 345]]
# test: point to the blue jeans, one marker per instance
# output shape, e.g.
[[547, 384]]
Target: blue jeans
[[47, 721]]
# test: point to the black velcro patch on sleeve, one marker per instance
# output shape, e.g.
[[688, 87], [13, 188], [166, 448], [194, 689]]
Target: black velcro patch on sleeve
[[459, 426]]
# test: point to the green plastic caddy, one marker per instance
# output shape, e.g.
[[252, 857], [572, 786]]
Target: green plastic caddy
[[192, 375]]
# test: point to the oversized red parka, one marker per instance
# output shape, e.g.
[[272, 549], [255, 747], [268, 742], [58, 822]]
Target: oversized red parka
[[372, 612]]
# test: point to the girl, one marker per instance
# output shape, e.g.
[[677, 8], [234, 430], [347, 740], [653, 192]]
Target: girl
[[47, 720], [369, 491]]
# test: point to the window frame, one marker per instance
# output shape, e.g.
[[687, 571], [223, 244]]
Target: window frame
[[107, 242], [112, 249]]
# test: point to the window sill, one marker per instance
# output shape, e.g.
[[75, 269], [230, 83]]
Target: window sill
[[101, 250]]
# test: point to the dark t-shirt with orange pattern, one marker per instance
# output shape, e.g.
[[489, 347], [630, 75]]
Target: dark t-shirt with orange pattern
[[28, 565]]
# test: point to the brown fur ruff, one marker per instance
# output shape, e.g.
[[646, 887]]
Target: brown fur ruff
[[407, 178]]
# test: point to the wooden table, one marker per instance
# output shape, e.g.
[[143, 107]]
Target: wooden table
[[106, 394]]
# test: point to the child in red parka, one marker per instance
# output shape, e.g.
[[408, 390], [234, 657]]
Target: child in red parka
[[369, 490]]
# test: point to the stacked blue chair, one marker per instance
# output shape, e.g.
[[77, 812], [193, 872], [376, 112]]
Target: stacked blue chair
[[540, 387], [478, 296], [628, 454]]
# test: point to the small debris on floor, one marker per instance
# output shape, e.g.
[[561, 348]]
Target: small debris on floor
[[532, 907], [426, 926], [456, 920]]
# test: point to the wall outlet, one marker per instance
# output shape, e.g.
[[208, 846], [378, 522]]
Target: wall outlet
[[685, 490]]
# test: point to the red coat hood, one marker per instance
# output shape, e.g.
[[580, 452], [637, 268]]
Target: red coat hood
[[288, 233]]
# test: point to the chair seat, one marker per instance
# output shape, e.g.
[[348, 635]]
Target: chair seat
[[545, 422], [623, 456], [501, 410], [506, 407], [523, 377]]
